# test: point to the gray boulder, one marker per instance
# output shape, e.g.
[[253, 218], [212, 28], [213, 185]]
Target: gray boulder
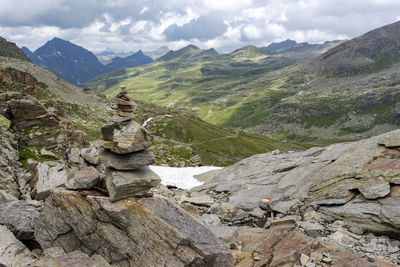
[[83, 179], [12, 251], [126, 233], [20, 217], [123, 184], [91, 153], [126, 162], [46, 178], [125, 138]]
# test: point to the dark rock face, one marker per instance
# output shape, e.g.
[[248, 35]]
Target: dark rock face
[[369, 52], [126, 232], [73, 63], [8, 49]]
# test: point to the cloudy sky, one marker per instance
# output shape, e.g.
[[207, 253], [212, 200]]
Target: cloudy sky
[[130, 25]]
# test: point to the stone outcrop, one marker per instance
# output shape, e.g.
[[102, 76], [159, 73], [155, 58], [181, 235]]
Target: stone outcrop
[[124, 143], [356, 181], [131, 232]]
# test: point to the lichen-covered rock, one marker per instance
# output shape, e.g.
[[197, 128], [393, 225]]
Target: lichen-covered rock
[[126, 162], [123, 184], [130, 232], [6, 197]]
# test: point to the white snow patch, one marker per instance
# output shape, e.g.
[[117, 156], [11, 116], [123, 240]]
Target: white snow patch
[[181, 177]]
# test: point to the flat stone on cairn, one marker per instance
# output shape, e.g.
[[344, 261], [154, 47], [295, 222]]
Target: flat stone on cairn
[[124, 144]]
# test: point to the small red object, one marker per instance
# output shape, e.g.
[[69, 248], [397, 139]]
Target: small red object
[[268, 198]]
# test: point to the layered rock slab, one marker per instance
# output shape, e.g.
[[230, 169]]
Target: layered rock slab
[[130, 161], [130, 232], [356, 181], [123, 184]]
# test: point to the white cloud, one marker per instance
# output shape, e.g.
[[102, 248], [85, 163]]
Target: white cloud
[[141, 24]]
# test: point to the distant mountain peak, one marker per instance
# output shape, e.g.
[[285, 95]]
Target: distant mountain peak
[[135, 59], [71, 62], [282, 45], [192, 46]]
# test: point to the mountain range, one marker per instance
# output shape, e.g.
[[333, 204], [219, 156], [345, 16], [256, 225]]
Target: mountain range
[[319, 93], [76, 64], [71, 62]]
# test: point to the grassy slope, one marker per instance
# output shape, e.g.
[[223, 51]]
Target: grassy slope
[[259, 93], [183, 136]]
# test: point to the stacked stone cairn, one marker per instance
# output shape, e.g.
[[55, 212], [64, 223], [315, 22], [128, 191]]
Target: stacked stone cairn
[[124, 155]]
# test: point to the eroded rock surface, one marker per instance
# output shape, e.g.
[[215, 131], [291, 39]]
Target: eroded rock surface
[[130, 232]]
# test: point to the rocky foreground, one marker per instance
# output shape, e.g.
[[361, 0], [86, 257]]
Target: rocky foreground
[[67, 202]]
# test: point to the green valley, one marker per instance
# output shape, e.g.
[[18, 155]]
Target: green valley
[[307, 93]]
